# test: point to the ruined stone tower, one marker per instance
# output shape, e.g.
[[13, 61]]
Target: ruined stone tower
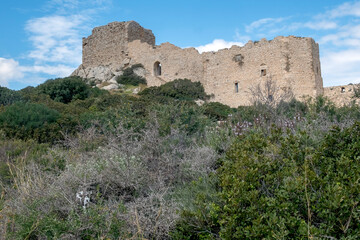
[[291, 62]]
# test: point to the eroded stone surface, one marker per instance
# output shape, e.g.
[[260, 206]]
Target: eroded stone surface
[[111, 86], [292, 62], [342, 95]]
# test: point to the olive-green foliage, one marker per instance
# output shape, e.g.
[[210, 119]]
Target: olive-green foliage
[[217, 110], [265, 186], [111, 110], [283, 185], [183, 116], [8, 96], [199, 215], [130, 78], [180, 89], [97, 222], [30, 120], [292, 108], [65, 89]]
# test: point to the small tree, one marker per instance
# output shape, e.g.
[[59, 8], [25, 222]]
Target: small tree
[[269, 93]]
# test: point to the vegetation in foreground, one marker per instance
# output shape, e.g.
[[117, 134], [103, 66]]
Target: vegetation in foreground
[[80, 163]]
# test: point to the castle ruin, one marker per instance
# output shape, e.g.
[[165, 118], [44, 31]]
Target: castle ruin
[[293, 63]]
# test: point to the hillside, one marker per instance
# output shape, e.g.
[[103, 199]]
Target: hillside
[[77, 162]]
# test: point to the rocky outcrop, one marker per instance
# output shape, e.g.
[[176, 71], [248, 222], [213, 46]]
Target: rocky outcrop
[[105, 76]]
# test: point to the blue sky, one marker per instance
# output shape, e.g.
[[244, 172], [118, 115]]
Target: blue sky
[[41, 39]]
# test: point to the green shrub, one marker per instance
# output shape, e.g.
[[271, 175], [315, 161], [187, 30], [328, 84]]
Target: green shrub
[[130, 78], [199, 210], [217, 110], [259, 187], [97, 222], [282, 187], [30, 120], [182, 116], [8, 96], [65, 89], [322, 105], [180, 89], [292, 108]]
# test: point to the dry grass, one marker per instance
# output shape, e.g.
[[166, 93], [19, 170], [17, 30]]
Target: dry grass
[[136, 170]]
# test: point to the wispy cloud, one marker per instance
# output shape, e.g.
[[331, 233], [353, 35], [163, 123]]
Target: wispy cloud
[[216, 45], [341, 67], [346, 9], [59, 70], [320, 25], [9, 70], [341, 47], [56, 39], [263, 23]]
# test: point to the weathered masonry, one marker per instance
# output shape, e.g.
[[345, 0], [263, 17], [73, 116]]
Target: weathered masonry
[[291, 62]]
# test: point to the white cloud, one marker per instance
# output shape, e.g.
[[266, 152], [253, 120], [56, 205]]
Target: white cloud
[[263, 23], [59, 70], [216, 45], [321, 25], [341, 67], [346, 9], [9, 70], [56, 39]]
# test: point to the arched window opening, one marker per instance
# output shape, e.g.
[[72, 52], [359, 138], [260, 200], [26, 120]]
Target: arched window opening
[[157, 69]]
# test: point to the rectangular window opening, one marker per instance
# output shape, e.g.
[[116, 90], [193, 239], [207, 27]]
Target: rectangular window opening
[[263, 72], [236, 87]]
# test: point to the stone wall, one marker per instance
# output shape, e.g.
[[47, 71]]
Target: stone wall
[[108, 44], [341, 95], [291, 62]]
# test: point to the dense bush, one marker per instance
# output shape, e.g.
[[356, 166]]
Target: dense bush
[[30, 120], [217, 110], [65, 89], [181, 116], [180, 89], [8, 96], [130, 78], [282, 186]]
